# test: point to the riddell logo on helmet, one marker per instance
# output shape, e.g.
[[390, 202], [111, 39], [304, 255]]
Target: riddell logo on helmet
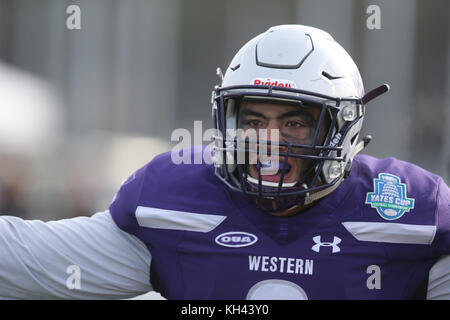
[[274, 83]]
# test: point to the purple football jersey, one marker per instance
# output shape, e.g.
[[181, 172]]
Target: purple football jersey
[[375, 237]]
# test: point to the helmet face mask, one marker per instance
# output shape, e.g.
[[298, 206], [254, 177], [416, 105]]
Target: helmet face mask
[[237, 151], [325, 83]]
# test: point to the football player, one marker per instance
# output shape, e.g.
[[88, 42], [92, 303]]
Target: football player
[[284, 208]]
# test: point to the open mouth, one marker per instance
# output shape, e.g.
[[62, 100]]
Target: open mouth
[[271, 171]]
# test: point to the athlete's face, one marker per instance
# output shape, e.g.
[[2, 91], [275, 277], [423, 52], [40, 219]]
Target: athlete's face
[[284, 123]]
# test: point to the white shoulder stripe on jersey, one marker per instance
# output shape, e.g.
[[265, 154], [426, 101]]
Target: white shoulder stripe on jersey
[[391, 232], [177, 220]]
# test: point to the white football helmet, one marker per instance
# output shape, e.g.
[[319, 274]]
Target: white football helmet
[[297, 65]]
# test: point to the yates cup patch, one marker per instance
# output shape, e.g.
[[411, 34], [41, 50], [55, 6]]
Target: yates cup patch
[[389, 197]]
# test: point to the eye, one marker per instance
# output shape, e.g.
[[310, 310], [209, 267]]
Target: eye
[[254, 123], [295, 124]]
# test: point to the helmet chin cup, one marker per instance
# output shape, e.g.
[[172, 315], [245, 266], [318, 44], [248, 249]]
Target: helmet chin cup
[[272, 204]]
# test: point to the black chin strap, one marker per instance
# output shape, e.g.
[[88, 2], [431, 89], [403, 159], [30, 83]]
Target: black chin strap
[[369, 96]]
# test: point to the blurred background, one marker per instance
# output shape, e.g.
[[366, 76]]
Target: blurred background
[[80, 110]]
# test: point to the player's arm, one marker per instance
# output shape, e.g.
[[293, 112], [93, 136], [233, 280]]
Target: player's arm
[[439, 280], [79, 258], [439, 276]]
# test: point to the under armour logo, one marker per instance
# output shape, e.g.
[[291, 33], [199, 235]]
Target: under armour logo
[[318, 243]]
